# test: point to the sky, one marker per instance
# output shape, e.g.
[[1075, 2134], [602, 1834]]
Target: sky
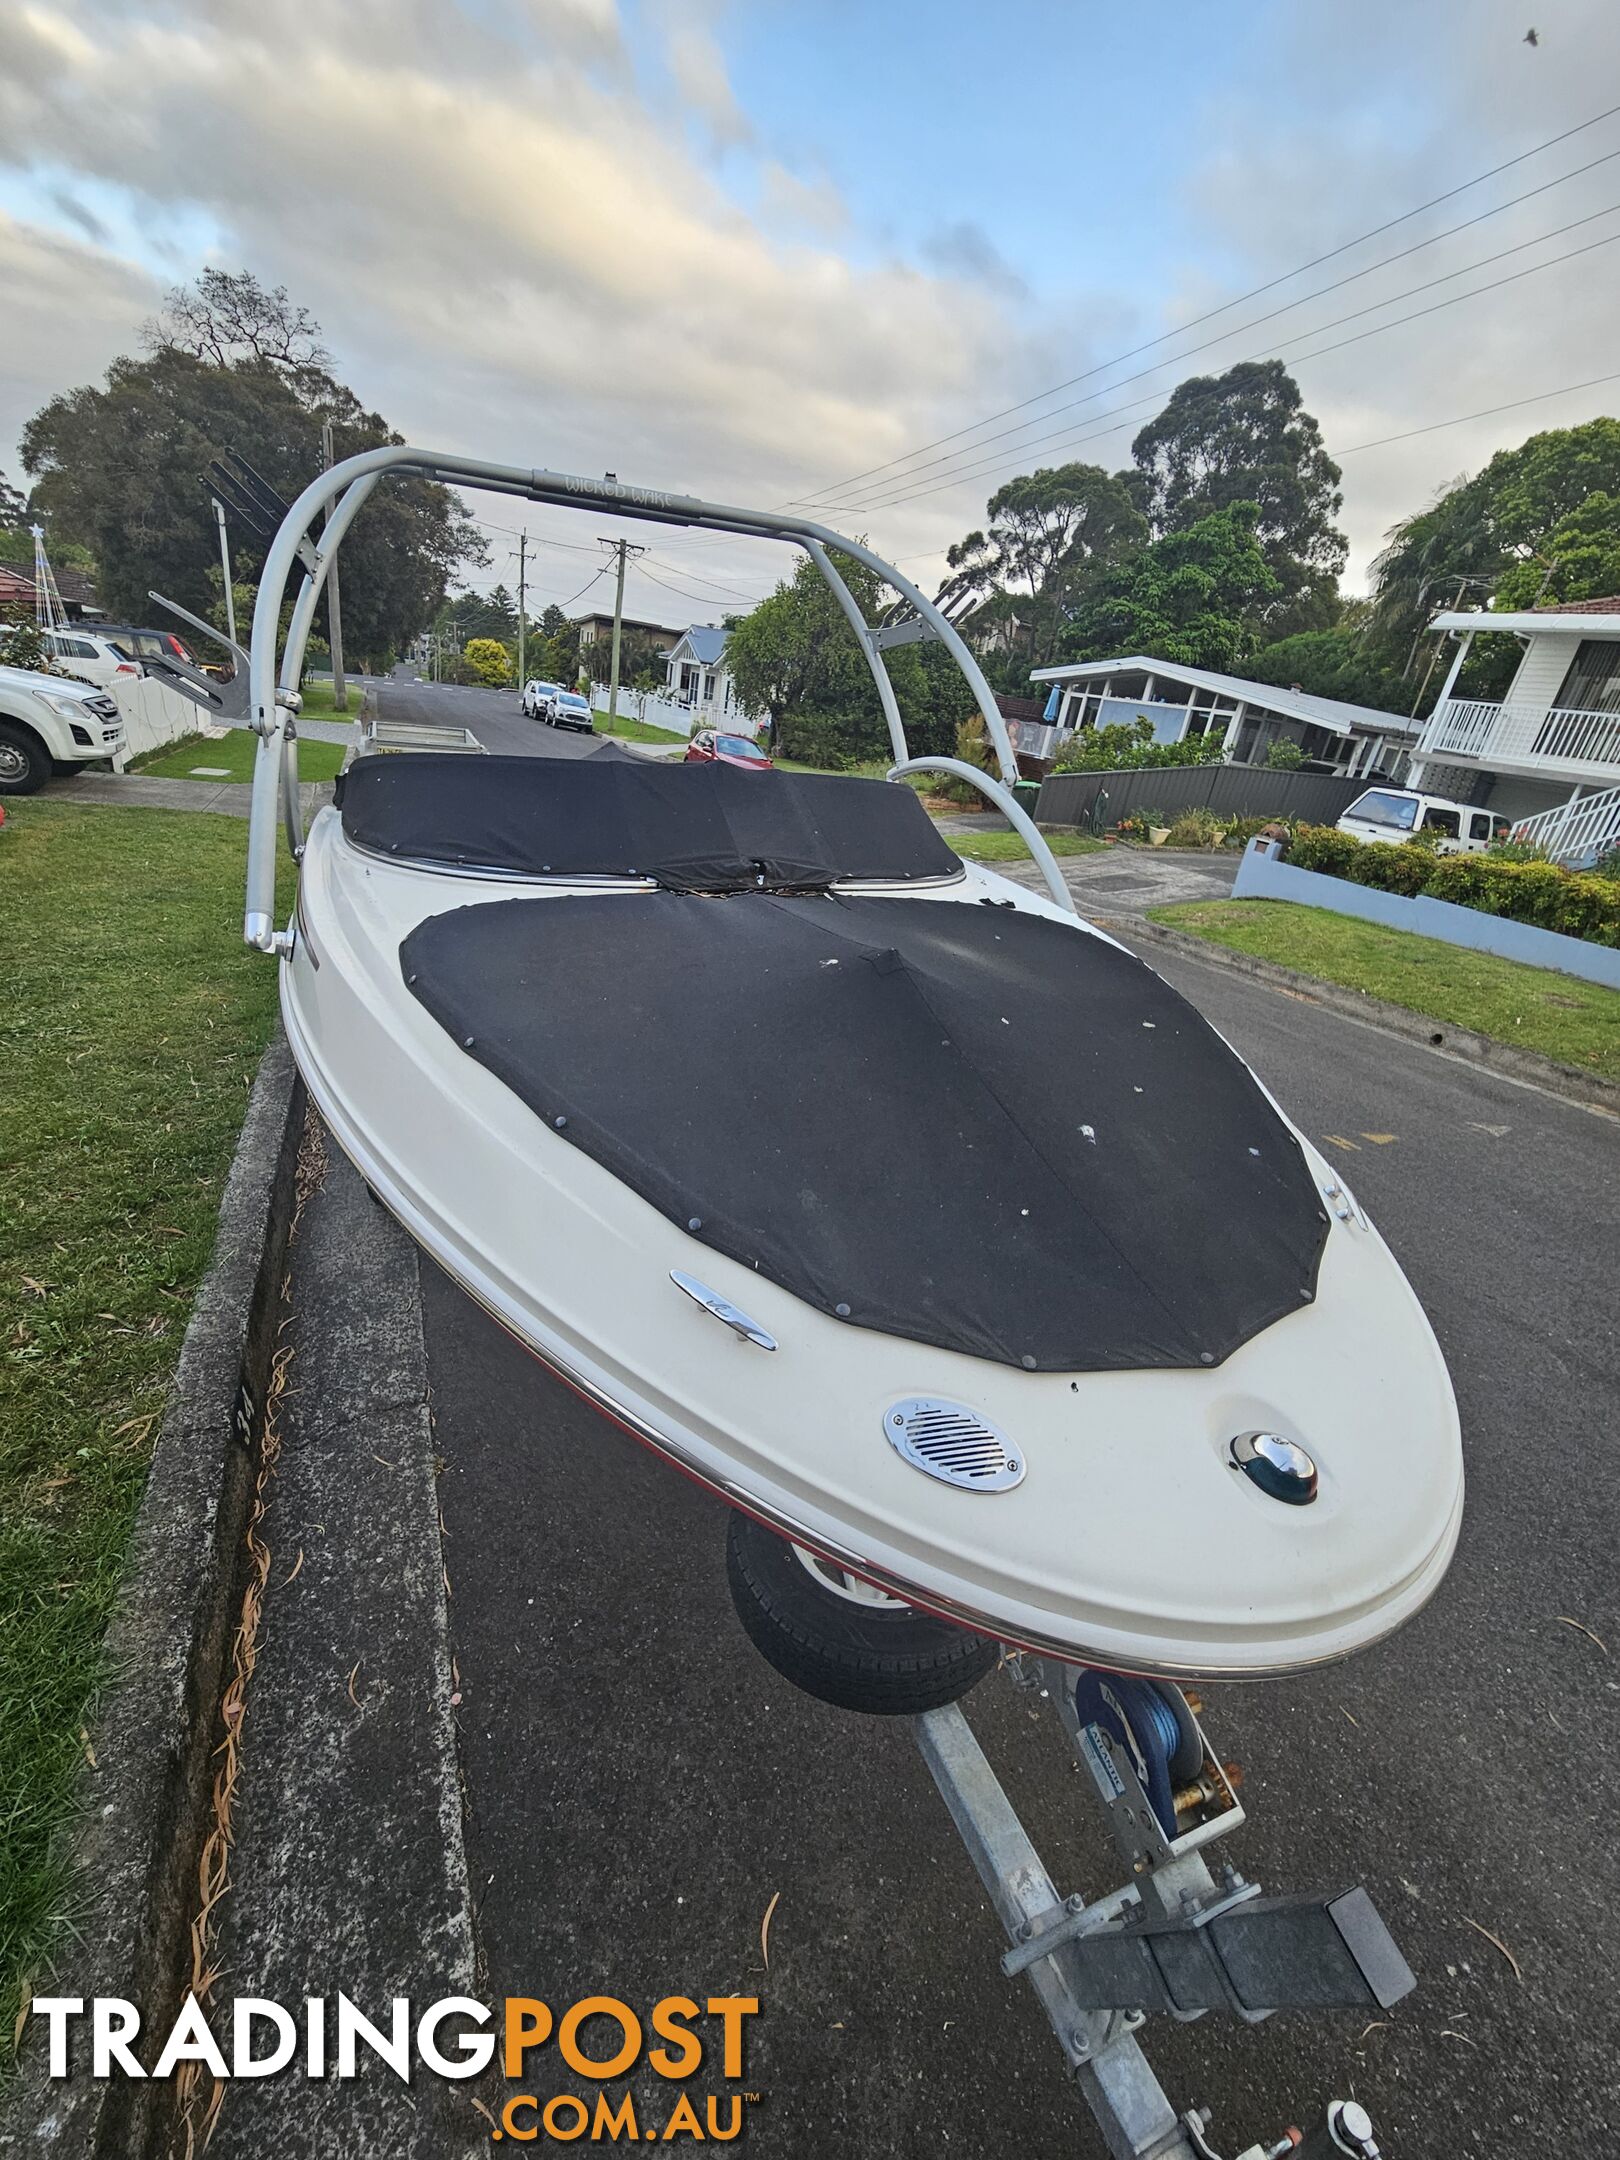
[[835, 253]]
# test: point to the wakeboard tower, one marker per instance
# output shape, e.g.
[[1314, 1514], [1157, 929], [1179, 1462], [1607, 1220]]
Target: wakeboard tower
[[917, 1219]]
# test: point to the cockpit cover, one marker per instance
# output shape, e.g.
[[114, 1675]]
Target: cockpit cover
[[955, 1122], [690, 828]]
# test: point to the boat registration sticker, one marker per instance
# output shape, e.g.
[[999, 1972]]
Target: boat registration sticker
[[1101, 1765]]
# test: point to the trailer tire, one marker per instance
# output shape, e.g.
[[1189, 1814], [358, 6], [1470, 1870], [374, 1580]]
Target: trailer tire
[[889, 1660], [25, 763]]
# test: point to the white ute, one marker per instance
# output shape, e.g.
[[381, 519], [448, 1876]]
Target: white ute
[[48, 721]]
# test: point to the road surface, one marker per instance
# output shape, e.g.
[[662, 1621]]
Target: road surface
[[640, 1786]]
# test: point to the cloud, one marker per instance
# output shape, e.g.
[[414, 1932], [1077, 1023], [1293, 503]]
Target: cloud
[[698, 70], [964, 249], [68, 309], [509, 253]]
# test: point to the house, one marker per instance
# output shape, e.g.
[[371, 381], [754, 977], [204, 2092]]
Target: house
[[600, 626], [698, 678], [1355, 741], [1548, 753], [75, 589]]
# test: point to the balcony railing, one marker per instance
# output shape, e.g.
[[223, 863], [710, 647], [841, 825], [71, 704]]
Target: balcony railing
[[1523, 735]]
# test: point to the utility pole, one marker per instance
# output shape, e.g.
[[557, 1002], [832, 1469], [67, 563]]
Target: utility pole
[[225, 565], [623, 549], [334, 616], [523, 553]]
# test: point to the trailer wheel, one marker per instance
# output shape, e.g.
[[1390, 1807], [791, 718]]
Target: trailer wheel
[[839, 1638]]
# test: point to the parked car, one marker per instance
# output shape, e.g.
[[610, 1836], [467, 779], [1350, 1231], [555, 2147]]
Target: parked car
[[568, 709], [140, 644], [48, 721], [709, 747], [537, 696], [1389, 813], [88, 655]]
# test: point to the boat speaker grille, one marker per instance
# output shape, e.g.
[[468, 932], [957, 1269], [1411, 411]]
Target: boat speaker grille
[[952, 1443]]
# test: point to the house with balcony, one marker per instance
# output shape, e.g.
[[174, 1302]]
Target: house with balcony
[[1547, 755], [1355, 741]]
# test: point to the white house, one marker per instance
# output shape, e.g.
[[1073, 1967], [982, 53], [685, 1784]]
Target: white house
[[1548, 753], [1356, 741], [698, 678]]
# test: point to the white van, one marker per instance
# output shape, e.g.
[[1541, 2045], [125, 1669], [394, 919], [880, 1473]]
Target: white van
[[1388, 813]]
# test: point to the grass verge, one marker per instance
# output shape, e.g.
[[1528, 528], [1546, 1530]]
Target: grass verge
[[1576, 1022], [1008, 847], [625, 729], [231, 758], [132, 1022], [320, 704]]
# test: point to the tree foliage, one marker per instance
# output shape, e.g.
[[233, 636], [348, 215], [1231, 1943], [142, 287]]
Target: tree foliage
[[795, 657], [13, 507], [1495, 534], [1578, 560], [229, 316], [1336, 663], [1245, 437], [1192, 596], [119, 469], [489, 661], [1047, 532]]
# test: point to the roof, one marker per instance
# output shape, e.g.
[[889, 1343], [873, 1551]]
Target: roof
[[1579, 618], [705, 643], [1334, 714]]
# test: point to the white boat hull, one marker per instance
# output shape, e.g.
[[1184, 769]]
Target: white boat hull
[[1130, 1543]]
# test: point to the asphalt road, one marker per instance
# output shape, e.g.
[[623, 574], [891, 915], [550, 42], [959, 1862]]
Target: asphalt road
[[640, 1785], [494, 716]]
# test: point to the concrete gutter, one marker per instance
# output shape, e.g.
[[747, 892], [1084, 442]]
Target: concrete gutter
[[1527, 1066], [143, 1803]]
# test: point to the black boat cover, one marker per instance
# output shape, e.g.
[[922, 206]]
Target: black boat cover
[[690, 828], [960, 1123]]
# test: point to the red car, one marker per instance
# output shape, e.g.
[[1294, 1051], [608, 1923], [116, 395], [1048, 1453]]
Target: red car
[[709, 747]]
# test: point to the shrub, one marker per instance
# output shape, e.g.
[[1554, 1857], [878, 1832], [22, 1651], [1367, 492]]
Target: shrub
[[1392, 866], [1577, 904], [1196, 828], [1324, 848], [489, 661], [1128, 746], [1285, 755], [1606, 866]]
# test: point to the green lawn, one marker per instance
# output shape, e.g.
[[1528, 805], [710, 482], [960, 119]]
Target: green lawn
[[132, 1021], [1559, 1015], [624, 729], [320, 704], [232, 756], [1008, 847]]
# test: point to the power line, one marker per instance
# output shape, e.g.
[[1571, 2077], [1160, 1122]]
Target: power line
[[1258, 321], [729, 591], [1459, 419], [1254, 293], [701, 599], [1071, 440]]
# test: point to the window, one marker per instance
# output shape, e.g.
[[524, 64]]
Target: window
[[1593, 681], [1445, 821], [1480, 826], [76, 648], [1399, 811], [739, 746]]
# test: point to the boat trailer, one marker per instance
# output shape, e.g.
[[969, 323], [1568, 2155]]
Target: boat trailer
[[1180, 1937]]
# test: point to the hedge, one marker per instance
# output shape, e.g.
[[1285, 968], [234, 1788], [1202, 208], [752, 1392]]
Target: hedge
[[1542, 893]]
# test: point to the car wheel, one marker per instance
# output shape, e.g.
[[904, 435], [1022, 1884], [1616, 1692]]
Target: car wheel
[[24, 765], [840, 1639]]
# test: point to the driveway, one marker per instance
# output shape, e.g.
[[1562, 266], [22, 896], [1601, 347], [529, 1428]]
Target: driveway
[[640, 1786], [1130, 880]]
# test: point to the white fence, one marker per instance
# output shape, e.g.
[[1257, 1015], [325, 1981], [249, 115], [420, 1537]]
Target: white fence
[[1524, 735], [153, 713], [650, 710]]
